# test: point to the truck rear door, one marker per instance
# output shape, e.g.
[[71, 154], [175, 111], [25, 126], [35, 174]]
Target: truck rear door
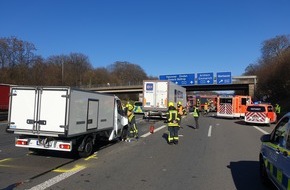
[[161, 94], [226, 106], [38, 111], [51, 110], [22, 108], [149, 94]]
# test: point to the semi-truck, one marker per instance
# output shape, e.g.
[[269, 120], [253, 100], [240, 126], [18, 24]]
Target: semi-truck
[[63, 118], [157, 94], [4, 101], [4, 97]]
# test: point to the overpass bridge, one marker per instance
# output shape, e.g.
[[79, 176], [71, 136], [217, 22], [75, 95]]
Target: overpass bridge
[[244, 85]]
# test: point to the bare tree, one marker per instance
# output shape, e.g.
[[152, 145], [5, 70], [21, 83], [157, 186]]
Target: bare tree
[[273, 70], [273, 48], [127, 73], [76, 67], [16, 58], [101, 77]]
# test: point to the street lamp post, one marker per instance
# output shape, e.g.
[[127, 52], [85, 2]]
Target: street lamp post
[[62, 72]]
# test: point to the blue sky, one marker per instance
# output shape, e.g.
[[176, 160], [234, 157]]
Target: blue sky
[[164, 37]]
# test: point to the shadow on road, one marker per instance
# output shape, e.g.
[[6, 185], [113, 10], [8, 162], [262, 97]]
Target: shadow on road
[[246, 175], [99, 145]]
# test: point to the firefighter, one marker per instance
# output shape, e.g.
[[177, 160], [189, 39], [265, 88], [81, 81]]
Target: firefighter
[[205, 108], [180, 111], [173, 124], [278, 110], [132, 127], [196, 116], [197, 102]]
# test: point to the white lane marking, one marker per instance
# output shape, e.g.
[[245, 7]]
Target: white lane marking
[[259, 129], [155, 130], [209, 131], [65, 175], [56, 179]]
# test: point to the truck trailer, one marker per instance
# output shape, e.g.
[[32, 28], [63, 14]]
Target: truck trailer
[[63, 118], [158, 93], [4, 97]]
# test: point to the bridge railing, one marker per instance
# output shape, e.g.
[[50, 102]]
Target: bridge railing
[[235, 80]]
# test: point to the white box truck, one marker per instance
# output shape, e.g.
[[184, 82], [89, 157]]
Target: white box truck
[[63, 118], [158, 93]]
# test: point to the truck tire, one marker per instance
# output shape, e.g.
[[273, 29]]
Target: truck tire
[[88, 148]]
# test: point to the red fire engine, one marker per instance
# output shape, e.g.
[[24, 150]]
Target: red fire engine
[[201, 100], [233, 106]]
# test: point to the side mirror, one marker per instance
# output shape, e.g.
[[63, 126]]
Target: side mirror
[[265, 138]]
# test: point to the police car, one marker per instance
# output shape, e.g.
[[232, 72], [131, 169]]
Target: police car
[[275, 155]]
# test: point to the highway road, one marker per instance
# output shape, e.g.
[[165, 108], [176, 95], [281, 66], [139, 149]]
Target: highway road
[[221, 155]]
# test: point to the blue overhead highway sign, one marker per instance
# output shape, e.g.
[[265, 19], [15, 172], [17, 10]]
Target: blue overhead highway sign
[[180, 79], [224, 78], [204, 78]]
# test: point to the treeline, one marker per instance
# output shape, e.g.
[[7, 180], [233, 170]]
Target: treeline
[[20, 65], [273, 72]]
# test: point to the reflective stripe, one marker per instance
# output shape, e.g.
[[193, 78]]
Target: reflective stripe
[[169, 137], [277, 146], [173, 116], [278, 174]]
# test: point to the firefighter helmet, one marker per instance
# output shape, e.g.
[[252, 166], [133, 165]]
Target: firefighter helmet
[[170, 104]]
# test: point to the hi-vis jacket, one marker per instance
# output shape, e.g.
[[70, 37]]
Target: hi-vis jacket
[[132, 125], [172, 118], [195, 112]]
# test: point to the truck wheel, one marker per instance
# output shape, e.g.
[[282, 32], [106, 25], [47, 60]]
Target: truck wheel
[[88, 149]]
